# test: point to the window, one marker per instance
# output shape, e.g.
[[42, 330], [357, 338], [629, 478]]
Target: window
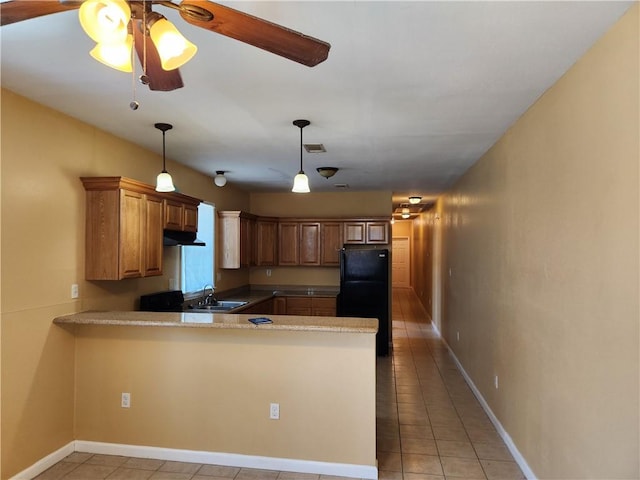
[[197, 267]]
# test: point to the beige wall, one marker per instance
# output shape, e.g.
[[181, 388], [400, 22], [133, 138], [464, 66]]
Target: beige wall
[[323, 381], [43, 155], [541, 241]]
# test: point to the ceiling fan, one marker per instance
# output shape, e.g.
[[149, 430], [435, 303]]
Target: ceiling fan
[[140, 20]]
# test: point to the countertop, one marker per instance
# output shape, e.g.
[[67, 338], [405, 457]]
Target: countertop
[[221, 320]]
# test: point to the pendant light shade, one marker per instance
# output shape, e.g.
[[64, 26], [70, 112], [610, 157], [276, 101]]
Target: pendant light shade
[[164, 182], [301, 182]]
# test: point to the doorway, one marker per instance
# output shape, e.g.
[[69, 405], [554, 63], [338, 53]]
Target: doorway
[[401, 262]]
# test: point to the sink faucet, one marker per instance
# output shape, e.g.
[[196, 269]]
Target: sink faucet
[[208, 299]]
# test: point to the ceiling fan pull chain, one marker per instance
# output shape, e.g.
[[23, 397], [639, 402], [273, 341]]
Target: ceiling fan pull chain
[[134, 103]]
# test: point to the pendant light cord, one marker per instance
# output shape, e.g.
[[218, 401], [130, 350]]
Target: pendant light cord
[[301, 171], [164, 168]]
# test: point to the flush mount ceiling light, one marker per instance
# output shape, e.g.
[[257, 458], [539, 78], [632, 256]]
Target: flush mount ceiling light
[[301, 181], [414, 200], [327, 172], [405, 215], [220, 180], [164, 182]]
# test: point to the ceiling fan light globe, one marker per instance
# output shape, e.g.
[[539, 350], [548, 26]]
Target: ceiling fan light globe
[[115, 54], [105, 20], [174, 50], [164, 183], [300, 183]]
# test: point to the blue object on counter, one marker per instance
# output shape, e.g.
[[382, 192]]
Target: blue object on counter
[[260, 320]]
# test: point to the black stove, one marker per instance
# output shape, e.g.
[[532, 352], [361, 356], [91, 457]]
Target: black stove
[[168, 301]]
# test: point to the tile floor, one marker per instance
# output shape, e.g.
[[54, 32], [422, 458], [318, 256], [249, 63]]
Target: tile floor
[[430, 426]]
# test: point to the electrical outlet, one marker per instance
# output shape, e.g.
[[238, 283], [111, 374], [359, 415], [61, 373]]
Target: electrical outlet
[[268, 272], [125, 401], [274, 411], [458, 336], [495, 381], [74, 291]]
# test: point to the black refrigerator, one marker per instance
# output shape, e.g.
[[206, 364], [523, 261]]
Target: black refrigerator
[[364, 290]]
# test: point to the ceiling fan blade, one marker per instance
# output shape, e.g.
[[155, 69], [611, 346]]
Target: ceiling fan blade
[[159, 79], [18, 10], [258, 32]]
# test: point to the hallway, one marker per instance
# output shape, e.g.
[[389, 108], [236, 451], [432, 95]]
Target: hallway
[[430, 425]]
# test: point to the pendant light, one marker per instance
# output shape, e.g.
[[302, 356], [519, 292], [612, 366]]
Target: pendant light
[[301, 182], [164, 182]]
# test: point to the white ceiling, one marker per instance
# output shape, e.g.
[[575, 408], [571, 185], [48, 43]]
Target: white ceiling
[[412, 94]]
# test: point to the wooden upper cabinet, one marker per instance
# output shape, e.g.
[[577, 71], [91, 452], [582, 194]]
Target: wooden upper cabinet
[[180, 215], [366, 232], [266, 242], [236, 234], [124, 222], [377, 232], [355, 232], [247, 241], [330, 243], [288, 243], [309, 243], [153, 233]]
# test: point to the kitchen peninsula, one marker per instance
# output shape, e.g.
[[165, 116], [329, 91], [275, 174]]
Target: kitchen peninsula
[[202, 387]]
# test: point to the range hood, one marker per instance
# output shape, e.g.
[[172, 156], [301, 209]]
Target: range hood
[[174, 238]]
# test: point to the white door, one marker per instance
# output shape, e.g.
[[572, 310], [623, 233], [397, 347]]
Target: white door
[[400, 269]]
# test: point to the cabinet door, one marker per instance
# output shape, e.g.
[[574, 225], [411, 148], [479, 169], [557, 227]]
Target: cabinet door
[[173, 215], [153, 236], [330, 243], [323, 306], [262, 308], [190, 218], [280, 305], [299, 306], [132, 232], [247, 242], [310, 243], [355, 232], [288, 253], [266, 242], [377, 232]]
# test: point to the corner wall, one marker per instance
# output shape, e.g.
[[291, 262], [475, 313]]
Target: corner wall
[[540, 267]]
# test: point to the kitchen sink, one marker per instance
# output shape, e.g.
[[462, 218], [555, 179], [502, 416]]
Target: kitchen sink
[[220, 306]]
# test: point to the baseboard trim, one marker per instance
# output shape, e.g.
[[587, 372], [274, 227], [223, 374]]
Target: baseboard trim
[[45, 463], [520, 460], [230, 459]]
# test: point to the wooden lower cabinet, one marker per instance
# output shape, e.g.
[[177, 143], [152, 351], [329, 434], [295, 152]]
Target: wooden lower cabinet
[[262, 308], [306, 305], [323, 306], [280, 306]]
